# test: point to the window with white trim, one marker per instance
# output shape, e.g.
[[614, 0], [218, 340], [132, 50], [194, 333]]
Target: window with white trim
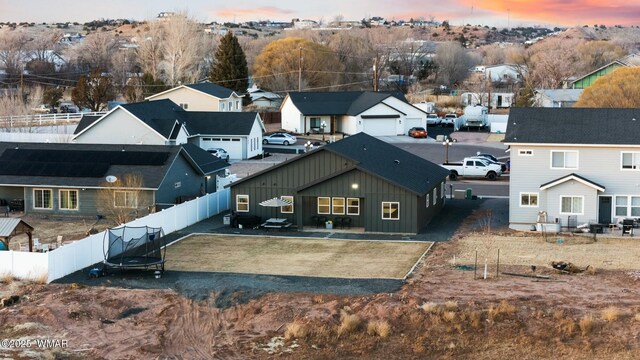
[[125, 199], [287, 209], [435, 196], [221, 106], [242, 203], [237, 104], [571, 205], [353, 206], [390, 210], [337, 205], [42, 199], [68, 199], [628, 206], [427, 200], [442, 190], [324, 205], [564, 159], [528, 199], [631, 161], [525, 152], [184, 106]]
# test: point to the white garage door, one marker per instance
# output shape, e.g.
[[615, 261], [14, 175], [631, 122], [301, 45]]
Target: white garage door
[[233, 145], [416, 122], [379, 127]]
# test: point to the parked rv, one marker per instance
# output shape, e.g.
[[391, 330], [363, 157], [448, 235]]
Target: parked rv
[[476, 117]]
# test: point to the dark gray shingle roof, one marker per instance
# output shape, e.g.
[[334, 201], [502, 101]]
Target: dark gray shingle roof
[[219, 123], [339, 102], [206, 162], [573, 126], [160, 115], [390, 162], [87, 165], [84, 123], [212, 89]]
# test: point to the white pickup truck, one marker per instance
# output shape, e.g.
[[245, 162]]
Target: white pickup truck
[[473, 167]]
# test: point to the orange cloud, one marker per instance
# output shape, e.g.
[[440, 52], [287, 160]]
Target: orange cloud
[[264, 12], [566, 12]]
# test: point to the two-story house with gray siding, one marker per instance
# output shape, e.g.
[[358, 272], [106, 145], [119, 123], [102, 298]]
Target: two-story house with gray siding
[[573, 162], [70, 179], [378, 186]]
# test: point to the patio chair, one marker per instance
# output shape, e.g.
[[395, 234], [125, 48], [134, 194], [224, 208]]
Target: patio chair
[[315, 219], [627, 227], [337, 223], [346, 222]]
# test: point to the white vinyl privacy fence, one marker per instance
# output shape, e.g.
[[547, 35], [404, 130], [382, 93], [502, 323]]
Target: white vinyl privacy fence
[[70, 258]]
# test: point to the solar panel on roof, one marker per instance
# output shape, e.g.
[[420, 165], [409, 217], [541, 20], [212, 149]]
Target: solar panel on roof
[[83, 156], [18, 168]]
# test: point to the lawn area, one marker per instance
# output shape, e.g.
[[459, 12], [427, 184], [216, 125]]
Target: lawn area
[[606, 253], [294, 256]]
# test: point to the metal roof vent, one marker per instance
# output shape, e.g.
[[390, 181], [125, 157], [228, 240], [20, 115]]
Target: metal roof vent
[[397, 162]]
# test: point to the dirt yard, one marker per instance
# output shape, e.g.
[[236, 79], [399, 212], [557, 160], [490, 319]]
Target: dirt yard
[[442, 312], [292, 256]]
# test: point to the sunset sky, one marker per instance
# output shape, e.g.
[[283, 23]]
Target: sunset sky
[[498, 13]]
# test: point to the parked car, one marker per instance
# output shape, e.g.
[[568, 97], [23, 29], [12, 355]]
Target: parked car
[[473, 167], [279, 139], [68, 108], [219, 152], [42, 109], [418, 132], [449, 120], [433, 119], [503, 166]]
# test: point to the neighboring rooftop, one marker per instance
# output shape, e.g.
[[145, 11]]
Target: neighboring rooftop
[[573, 126], [219, 123], [339, 102]]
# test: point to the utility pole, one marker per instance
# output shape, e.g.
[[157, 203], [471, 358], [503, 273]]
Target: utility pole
[[375, 73], [300, 69]]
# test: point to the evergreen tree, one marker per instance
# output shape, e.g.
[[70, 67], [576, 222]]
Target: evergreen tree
[[230, 66]]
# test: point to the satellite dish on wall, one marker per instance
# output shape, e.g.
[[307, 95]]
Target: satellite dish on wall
[[111, 179]]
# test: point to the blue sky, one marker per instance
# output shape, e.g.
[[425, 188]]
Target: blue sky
[[486, 12]]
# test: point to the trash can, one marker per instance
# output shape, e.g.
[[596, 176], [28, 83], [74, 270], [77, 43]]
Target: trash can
[[226, 220], [469, 194]]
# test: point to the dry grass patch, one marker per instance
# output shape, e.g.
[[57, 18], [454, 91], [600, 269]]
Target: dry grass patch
[[294, 256], [379, 328], [6, 278], [349, 324], [475, 319], [430, 308], [636, 317], [449, 316], [502, 309], [295, 330], [451, 305], [587, 323], [610, 314], [567, 326]]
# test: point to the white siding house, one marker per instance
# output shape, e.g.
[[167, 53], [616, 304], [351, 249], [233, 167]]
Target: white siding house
[[565, 164], [350, 112]]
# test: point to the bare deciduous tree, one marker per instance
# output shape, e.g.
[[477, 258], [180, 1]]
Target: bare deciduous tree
[[122, 199], [13, 52], [182, 59], [149, 51], [95, 51], [453, 62], [552, 62]]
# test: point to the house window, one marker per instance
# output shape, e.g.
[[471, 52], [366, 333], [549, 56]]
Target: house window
[[324, 205], [631, 161], [427, 200], [435, 196], [68, 199], [564, 159], [314, 122], [571, 205], [221, 106], [353, 206], [42, 199], [289, 208], [525, 152], [242, 203], [628, 206], [125, 199], [528, 199], [442, 191], [390, 210], [230, 105], [184, 106], [237, 104], [337, 205]]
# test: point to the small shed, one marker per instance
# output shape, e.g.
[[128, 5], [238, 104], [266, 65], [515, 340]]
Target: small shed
[[10, 227]]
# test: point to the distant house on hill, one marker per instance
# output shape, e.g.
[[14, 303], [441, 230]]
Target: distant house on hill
[[556, 97], [587, 80]]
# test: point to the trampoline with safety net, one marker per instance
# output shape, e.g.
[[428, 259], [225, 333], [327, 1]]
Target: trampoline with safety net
[[135, 247]]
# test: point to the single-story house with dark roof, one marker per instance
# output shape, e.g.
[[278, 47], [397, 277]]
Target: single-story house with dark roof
[[67, 178], [164, 122], [376, 185], [573, 166], [204, 96], [350, 112]]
